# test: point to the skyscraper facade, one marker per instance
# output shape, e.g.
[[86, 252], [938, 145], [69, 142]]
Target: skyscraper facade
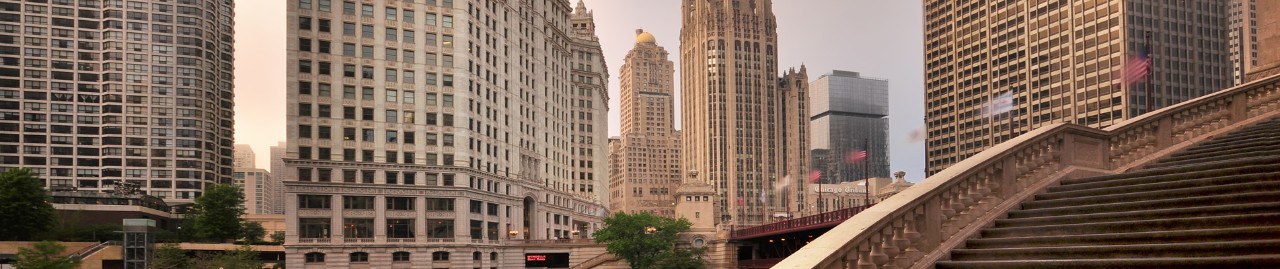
[[93, 93], [645, 159], [256, 183], [1244, 38], [744, 128], [430, 132], [243, 156], [277, 167], [848, 127], [1061, 61]]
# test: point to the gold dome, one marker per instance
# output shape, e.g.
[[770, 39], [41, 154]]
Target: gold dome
[[645, 37]]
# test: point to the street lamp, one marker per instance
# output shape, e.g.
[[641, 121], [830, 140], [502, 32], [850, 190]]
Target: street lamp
[[650, 230], [513, 233]]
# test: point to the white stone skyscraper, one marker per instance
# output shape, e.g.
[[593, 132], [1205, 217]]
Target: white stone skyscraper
[[429, 132], [97, 92], [745, 129], [645, 158]]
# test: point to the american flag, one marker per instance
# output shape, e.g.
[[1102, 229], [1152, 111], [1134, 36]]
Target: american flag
[[814, 175], [1137, 67], [1001, 104], [855, 156]]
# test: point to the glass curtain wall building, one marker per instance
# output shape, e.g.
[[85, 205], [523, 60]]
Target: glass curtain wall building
[[848, 117]]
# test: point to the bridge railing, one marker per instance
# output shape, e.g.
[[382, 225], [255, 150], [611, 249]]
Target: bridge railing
[[918, 226], [797, 223]]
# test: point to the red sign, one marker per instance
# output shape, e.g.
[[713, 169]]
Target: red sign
[[532, 258]]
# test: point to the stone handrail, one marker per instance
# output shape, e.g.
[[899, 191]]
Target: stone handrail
[[920, 225], [597, 261]]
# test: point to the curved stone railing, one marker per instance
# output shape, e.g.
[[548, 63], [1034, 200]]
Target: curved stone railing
[[920, 225]]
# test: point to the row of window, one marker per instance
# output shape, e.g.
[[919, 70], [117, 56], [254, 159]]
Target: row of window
[[367, 113], [398, 256], [367, 72], [367, 10]]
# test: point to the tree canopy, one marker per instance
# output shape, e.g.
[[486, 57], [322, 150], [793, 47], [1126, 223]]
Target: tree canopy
[[629, 236], [23, 197], [219, 213], [44, 255]]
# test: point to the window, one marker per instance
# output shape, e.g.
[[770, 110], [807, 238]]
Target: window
[[357, 202], [313, 227], [400, 256], [361, 257], [477, 229], [399, 203], [392, 136], [439, 204], [476, 207], [392, 97], [357, 228], [366, 10], [391, 14], [400, 228], [440, 228], [348, 8], [302, 4], [315, 257], [447, 22], [313, 201], [440, 256]]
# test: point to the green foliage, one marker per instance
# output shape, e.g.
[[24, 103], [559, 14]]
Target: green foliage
[[277, 237], [23, 198], [625, 236], [253, 232], [169, 256], [218, 213], [44, 255], [242, 257], [682, 258]]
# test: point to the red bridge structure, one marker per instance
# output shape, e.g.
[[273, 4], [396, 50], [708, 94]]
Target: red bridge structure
[[765, 245]]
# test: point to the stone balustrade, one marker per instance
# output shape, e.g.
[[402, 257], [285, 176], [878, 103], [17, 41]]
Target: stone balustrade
[[920, 225]]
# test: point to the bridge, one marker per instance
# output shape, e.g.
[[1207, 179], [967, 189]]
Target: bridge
[[765, 245]]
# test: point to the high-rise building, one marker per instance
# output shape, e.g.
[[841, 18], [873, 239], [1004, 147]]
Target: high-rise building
[[244, 156], [431, 132], [256, 183], [848, 128], [645, 159], [1061, 61], [93, 93], [258, 191], [744, 128], [277, 168], [1243, 38]]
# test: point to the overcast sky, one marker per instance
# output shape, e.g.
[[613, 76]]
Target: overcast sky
[[878, 38]]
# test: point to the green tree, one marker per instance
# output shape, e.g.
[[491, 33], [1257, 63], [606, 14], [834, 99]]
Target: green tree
[[629, 236], [44, 255], [277, 237], [681, 258], [253, 232], [23, 198], [218, 213], [243, 257], [169, 255]]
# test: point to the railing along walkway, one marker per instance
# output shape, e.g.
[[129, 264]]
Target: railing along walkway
[[826, 219], [920, 225]]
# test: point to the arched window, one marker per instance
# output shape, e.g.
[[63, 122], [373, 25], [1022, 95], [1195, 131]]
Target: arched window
[[476, 255], [493, 256], [440, 256], [359, 257], [400, 256], [315, 257]]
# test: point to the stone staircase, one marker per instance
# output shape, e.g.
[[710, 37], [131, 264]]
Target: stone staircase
[[1212, 205]]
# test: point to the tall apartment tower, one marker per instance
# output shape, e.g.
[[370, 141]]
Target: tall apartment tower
[[744, 128], [849, 128], [1060, 61], [645, 166], [277, 182], [97, 92], [256, 183], [430, 132], [1244, 38]]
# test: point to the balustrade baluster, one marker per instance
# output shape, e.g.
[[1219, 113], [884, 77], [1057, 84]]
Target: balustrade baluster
[[878, 257], [866, 256], [890, 249]]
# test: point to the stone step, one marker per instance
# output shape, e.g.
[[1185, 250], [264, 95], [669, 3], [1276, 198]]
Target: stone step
[[1228, 262], [1138, 205], [1181, 212], [1207, 165], [1191, 249], [1269, 145], [1167, 224], [1151, 237], [1210, 178], [1211, 171], [1160, 164], [1268, 131], [1213, 190]]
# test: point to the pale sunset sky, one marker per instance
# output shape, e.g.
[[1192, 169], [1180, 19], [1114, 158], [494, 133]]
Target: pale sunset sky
[[881, 39]]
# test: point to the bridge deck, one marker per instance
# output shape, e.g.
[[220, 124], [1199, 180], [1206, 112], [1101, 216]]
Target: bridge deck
[[823, 220]]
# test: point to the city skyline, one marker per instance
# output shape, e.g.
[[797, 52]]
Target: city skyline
[[873, 51]]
